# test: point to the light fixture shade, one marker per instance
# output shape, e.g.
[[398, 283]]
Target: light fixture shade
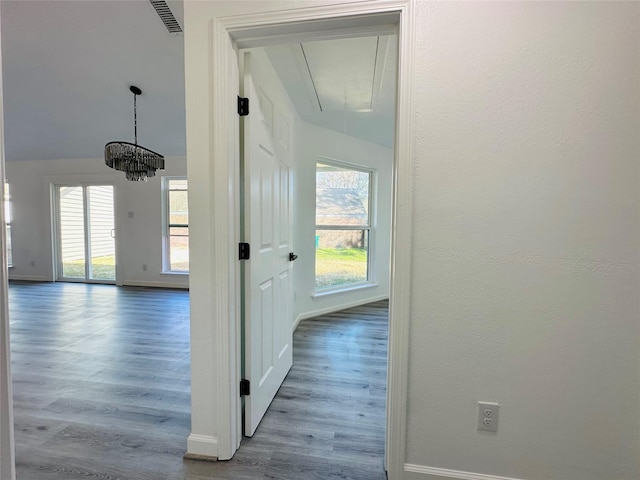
[[138, 163]]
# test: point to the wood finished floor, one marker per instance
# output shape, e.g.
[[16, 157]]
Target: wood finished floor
[[102, 391]]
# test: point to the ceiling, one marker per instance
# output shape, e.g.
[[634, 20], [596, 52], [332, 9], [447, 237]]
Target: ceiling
[[67, 68], [347, 85]]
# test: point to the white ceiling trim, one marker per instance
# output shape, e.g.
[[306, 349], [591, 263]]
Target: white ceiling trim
[[369, 25]]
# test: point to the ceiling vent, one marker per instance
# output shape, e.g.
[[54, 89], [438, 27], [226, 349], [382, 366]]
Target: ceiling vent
[[165, 14]]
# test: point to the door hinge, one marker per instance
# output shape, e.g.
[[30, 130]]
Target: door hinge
[[244, 251], [245, 387], [243, 106]]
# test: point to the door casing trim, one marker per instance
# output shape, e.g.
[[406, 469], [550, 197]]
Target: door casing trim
[[227, 35]]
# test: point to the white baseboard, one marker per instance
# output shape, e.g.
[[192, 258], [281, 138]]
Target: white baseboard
[[202, 447], [28, 278], [154, 284], [336, 308], [38, 278], [421, 472]]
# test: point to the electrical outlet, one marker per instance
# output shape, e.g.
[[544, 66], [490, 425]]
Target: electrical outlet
[[488, 416]]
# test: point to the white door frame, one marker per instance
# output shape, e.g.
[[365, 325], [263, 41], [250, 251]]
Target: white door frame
[[227, 35], [7, 458]]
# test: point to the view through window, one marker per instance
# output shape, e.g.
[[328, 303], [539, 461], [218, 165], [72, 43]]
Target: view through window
[[343, 225], [86, 233], [7, 217], [176, 250]]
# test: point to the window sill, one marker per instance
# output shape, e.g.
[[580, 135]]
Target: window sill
[[341, 290], [175, 273]]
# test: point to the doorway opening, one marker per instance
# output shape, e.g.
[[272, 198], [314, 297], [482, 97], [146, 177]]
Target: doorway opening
[[364, 108], [216, 307], [84, 221]]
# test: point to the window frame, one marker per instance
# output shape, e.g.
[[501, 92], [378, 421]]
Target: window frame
[[369, 227], [8, 219], [167, 225]]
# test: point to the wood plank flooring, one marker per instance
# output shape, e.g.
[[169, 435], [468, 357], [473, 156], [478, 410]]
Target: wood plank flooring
[[102, 391]]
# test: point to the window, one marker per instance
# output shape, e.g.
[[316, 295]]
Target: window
[[7, 217], [343, 225], [85, 231], [176, 222]]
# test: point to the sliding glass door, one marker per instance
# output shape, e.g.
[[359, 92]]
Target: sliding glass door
[[86, 233]]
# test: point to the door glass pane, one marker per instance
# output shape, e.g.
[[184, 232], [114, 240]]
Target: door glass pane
[[102, 232], [341, 257], [72, 232]]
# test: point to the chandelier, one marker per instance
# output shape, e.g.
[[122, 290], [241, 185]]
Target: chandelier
[[138, 163]]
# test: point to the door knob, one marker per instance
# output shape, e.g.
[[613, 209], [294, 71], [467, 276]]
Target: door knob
[[292, 256]]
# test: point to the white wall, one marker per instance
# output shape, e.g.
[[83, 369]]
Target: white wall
[[525, 275], [139, 238], [312, 142], [7, 450], [525, 271]]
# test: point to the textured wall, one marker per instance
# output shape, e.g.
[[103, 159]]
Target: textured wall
[[525, 274], [526, 223]]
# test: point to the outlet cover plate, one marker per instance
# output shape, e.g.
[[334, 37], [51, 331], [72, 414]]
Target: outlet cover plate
[[488, 413]]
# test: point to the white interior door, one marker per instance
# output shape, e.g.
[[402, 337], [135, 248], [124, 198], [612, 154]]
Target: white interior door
[[267, 213]]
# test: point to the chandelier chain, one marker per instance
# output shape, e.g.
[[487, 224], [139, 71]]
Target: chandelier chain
[[135, 119]]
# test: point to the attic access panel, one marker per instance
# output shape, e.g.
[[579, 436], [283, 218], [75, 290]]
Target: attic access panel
[[343, 72]]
